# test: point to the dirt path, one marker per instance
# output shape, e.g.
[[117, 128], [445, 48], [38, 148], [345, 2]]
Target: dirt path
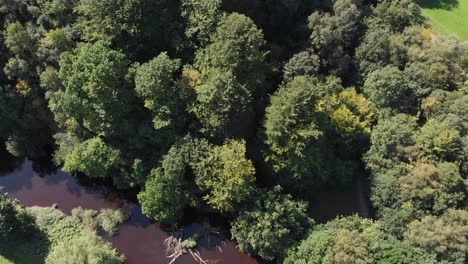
[[363, 203]]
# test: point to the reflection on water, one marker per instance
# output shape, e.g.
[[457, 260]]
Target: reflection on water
[[139, 239], [39, 183]]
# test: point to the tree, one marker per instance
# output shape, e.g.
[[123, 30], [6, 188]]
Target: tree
[[93, 158], [438, 140], [433, 189], [155, 84], [165, 193], [333, 35], [447, 106], [53, 44], [109, 20], [163, 198], [232, 67], [227, 175], [304, 63], [354, 240], [390, 90], [293, 127], [349, 112], [19, 41], [202, 18], [386, 188], [20, 66], [349, 247], [96, 92], [397, 14], [273, 224], [391, 141], [222, 104], [373, 52], [437, 66], [56, 13], [444, 235], [235, 47]]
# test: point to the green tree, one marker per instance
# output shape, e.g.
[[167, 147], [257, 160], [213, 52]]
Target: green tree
[[444, 235], [389, 89], [349, 113], [222, 104], [96, 92], [438, 140], [437, 66], [386, 188], [349, 247], [53, 44], [236, 47], [433, 189], [155, 84], [227, 175], [163, 198], [56, 13], [94, 158], [391, 141], [165, 193], [19, 40], [354, 240], [397, 14], [273, 224], [333, 35], [373, 52], [202, 18], [292, 126], [108, 20], [304, 63]]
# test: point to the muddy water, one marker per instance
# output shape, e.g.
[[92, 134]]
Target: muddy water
[[139, 239]]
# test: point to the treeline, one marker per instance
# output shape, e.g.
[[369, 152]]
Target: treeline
[[248, 109]]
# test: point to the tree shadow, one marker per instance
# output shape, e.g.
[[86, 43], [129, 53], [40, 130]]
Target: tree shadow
[[26, 249], [439, 4]]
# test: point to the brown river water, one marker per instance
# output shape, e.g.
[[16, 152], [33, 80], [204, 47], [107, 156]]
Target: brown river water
[[140, 239]]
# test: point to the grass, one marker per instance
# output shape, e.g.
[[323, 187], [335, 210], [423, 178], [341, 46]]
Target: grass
[[3, 260], [447, 16]]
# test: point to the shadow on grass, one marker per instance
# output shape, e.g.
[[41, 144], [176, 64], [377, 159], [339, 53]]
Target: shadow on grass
[[32, 248], [439, 4]]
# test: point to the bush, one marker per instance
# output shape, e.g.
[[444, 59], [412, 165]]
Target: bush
[[86, 216], [86, 248], [108, 219]]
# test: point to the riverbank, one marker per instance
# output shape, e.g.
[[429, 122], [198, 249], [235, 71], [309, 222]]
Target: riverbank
[[36, 183], [51, 239]]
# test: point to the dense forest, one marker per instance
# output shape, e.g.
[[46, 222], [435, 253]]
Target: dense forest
[[246, 109]]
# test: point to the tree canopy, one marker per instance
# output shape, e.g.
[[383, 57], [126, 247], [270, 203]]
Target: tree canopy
[[247, 111]]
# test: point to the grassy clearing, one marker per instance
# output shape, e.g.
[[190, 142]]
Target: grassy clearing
[[447, 16]]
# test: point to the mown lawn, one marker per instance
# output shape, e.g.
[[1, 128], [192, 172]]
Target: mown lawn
[[447, 16]]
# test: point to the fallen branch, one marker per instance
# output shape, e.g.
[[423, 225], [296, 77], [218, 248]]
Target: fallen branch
[[176, 247]]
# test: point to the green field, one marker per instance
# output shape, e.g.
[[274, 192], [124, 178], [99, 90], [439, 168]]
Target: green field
[[447, 16]]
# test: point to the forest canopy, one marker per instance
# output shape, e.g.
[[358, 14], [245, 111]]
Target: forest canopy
[[247, 110]]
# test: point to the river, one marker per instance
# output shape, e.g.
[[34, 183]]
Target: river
[[36, 183]]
